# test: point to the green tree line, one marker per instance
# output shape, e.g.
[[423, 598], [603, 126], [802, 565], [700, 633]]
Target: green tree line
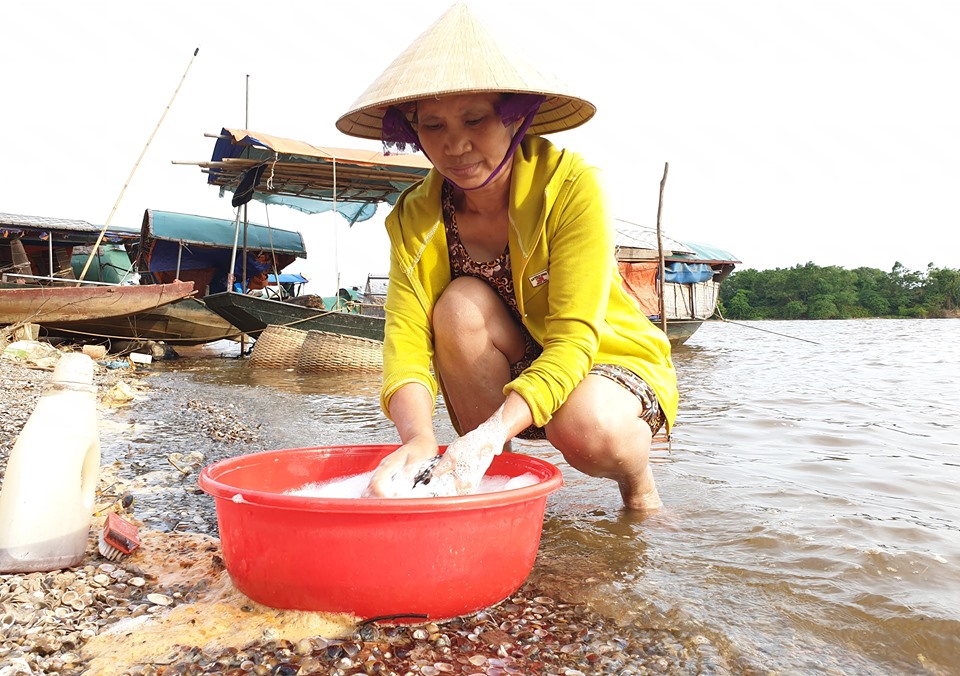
[[813, 292]]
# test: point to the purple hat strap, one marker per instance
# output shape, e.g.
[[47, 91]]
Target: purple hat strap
[[397, 131], [512, 109]]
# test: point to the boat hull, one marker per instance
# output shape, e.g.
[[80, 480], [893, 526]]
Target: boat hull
[[185, 322], [252, 315], [48, 304], [680, 330]]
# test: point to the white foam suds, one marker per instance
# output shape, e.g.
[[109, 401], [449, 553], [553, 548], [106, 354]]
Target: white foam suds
[[353, 486]]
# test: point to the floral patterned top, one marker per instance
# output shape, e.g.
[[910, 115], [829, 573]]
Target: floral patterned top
[[497, 273]]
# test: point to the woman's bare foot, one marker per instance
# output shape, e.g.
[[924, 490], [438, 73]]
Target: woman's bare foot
[[640, 493]]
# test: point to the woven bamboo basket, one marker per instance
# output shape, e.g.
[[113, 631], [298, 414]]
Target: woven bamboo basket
[[278, 347], [323, 352]]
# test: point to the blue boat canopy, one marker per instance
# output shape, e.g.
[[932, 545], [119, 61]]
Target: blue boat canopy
[[201, 249], [309, 178], [219, 232]]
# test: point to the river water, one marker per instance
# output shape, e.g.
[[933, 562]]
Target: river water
[[811, 519]]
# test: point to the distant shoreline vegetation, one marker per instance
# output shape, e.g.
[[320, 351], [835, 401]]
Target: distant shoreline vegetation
[[813, 292]]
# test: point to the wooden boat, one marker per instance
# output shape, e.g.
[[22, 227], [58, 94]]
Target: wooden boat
[[184, 322], [196, 249], [252, 315], [38, 284], [23, 303], [44, 253], [690, 284], [312, 179]]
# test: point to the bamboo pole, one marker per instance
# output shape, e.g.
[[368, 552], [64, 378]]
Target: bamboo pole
[[143, 152], [243, 281], [663, 311]]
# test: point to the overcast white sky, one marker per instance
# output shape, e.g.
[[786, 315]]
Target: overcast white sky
[[795, 131]]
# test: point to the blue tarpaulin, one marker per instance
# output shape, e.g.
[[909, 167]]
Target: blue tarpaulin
[[687, 273]]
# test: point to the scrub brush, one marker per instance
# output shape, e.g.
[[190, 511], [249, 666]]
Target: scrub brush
[[118, 538]]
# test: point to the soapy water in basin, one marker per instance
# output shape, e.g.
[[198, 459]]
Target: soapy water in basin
[[353, 486]]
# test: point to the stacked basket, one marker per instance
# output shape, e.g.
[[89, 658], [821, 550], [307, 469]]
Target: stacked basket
[[323, 352], [282, 347], [278, 347]]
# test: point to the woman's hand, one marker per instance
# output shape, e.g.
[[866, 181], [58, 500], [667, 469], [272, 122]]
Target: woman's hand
[[394, 476], [462, 466]]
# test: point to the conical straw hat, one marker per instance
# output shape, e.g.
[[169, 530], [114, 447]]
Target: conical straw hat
[[458, 55]]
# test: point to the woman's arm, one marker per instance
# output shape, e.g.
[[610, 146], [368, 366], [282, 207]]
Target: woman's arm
[[411, 409]]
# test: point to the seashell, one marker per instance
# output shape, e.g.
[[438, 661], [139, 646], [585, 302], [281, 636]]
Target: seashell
[[159, 599], [309, 665], [70, 658], [136, 581], [373, 667], [368, 632]]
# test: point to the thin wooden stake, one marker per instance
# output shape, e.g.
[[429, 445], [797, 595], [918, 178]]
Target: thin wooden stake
[[663, 311]]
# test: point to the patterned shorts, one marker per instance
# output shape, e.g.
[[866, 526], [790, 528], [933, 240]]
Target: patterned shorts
[[652, 414]]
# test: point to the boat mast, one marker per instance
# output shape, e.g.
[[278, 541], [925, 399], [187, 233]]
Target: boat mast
[[336, 240], [246, 125]]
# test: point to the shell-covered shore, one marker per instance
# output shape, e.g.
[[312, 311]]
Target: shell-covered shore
[[169, 608]]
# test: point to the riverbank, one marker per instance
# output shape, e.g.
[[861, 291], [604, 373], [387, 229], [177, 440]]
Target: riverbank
[[169, 608]]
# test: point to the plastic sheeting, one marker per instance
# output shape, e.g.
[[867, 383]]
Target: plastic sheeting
[[640, 281], [687, 273]]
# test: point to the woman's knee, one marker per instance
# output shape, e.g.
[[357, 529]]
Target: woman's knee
[[463, 303], [471, 315], [598, 429]]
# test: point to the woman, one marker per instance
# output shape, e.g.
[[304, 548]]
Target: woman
[[503, 277]]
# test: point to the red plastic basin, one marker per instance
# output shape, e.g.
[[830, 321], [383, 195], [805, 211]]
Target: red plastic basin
[[431, 557]]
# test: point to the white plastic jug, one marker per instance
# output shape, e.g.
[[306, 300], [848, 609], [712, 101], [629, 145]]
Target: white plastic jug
[[49, 486]]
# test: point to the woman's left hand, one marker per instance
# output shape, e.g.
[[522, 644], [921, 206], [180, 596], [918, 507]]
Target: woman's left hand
[[465, 461]]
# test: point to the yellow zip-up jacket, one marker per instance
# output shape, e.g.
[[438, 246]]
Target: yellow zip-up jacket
[[568, 288]]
